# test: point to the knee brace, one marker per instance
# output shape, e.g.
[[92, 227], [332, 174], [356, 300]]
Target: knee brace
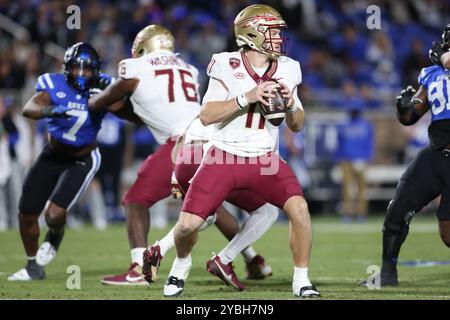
[[399, 213]]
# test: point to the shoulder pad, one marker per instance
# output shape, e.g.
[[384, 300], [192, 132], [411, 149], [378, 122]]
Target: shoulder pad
[[425, 74], [128, 69], [48, 81]]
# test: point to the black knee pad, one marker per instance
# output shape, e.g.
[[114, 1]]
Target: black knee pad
[[399, 213]]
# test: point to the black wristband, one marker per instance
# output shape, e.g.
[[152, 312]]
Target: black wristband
[[46, 112]]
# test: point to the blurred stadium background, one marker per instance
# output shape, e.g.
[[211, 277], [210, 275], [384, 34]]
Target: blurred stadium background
[[345, 67]]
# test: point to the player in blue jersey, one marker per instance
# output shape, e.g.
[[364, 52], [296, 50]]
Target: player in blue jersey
[[68, 161], [428, 175]]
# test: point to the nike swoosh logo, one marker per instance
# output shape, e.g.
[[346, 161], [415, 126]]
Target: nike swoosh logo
[[227, 276], [133, 279]]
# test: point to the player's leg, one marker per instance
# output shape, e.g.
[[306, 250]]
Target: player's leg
[[261, 218], [210, 186], [71, 185], [37, 188], [281, 188], [152, 184], [443, 212], [417, 187], [187, 163], [444, 231]]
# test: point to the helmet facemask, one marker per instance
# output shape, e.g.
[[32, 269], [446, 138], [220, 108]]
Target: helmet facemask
[[274, 44], [446, 36]]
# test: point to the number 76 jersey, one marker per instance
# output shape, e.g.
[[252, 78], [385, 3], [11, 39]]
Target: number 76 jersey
[[166, 96], [82, 127]]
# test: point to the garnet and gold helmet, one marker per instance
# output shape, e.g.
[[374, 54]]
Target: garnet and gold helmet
[[151, 38], [252, 28]]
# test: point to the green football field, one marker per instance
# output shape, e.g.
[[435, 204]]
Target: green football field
[[341, 256]]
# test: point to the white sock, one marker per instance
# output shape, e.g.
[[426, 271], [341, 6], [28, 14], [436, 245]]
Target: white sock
[[252, 229], [249, 253], [136, 255], [181, 267], [300, 278], [166, 243]]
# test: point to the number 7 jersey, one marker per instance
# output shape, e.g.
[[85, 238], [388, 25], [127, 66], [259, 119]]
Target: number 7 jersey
[[166, 96], [82, 127]]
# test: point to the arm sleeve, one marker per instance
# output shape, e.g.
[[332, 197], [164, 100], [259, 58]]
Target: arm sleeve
[[299, 74], [215, 71], [216, 91], [298, 103]]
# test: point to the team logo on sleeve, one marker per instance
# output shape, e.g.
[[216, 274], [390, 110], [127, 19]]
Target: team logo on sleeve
[[60, 94], [235, 63]]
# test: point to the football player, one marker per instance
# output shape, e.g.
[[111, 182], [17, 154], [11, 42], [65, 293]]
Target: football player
[[428, 175], [163, 91], [68, 161], [187, 161], [238, 82]]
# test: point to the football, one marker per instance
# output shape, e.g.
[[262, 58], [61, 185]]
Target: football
[[276, 111]]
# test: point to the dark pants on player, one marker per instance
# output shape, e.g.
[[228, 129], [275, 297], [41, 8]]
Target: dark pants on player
[[58, 179], [427, 177]]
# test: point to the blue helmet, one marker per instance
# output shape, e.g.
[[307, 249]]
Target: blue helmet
[[446, 35], [83, 56]]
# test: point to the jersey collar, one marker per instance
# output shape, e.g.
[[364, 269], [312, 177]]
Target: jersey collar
[[266, 76]]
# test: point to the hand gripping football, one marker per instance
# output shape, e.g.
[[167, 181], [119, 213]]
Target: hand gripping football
[[276, 111]]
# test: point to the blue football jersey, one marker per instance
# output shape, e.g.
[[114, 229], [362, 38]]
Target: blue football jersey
[[82, 127], [437, 82]]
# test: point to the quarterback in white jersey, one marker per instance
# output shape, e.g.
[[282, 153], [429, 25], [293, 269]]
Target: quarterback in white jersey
[[238, 82], [246, 133], [162, 90]]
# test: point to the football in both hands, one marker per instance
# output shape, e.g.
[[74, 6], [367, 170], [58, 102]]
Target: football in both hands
[[276, 111]]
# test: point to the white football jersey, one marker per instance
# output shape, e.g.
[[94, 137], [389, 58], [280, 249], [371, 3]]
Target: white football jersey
[[166, 97], [247, 133], [198, 132]]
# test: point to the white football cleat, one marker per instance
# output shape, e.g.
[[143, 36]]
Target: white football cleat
[[45, 254], [307, 292], [173, 287], [21, 275]]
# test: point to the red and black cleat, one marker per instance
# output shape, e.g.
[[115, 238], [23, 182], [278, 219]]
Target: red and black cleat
[[257, 269], [225, 272], [152, 259]]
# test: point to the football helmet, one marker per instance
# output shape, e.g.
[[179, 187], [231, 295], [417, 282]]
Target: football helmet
[[82, 56], [446, 35], [253, 28], [151, 38]]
